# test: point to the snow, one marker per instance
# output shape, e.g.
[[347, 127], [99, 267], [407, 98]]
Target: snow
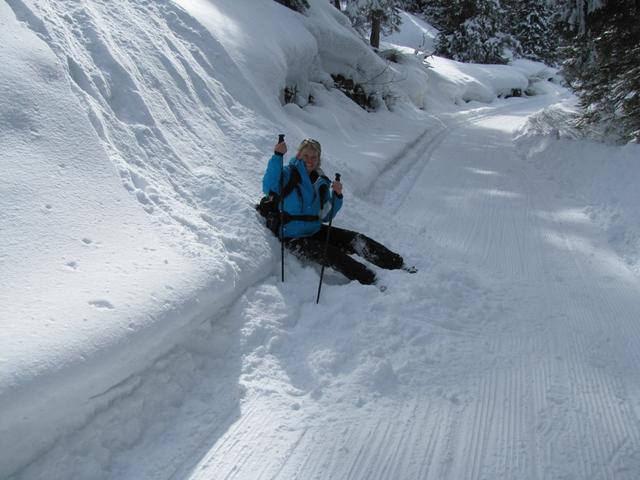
[[414, 33], [607, 191], [145, 333]]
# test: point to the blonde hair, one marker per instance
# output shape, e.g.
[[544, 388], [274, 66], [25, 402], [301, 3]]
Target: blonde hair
[[312, 144]]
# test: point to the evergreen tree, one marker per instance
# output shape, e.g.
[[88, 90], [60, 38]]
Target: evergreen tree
[[472, 32], [414, 6], [435, 12], [578, 31], [533, 24], [376, 16], [603, 65]]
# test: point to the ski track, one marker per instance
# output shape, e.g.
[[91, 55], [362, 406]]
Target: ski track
[[598, 332]]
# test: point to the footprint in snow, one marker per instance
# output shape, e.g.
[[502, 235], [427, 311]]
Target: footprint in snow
[[102, 304]]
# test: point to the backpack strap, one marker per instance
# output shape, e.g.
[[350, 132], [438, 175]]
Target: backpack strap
[[299, 218], [292, 184], [294, 181]]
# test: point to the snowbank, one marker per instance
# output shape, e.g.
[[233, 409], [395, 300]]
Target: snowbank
[[93, 284], [462, 82], [456, 81], [602, 178]]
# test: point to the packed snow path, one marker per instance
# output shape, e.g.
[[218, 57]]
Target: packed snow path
[[512, 354]]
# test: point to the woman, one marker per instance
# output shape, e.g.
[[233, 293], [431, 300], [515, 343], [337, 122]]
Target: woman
[[310, 198]]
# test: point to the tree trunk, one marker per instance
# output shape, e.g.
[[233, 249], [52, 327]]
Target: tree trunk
[[376, 17], [336, 3]]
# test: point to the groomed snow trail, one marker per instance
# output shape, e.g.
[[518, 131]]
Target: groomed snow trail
[[512, 353]]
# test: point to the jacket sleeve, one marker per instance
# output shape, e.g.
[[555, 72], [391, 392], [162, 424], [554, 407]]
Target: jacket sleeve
[[271, 179]]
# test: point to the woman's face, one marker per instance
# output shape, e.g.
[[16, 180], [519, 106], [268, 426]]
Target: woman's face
[[310, 158]]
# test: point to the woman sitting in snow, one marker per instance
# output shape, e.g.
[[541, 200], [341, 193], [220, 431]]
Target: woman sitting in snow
[[307, 201]]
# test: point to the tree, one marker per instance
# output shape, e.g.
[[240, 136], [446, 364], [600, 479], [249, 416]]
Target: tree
[[603, 64], [435, 12], [376, 16], [414, 6], [533, 24], [471, 31]]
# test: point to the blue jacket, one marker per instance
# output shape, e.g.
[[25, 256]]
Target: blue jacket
[[311, 197]]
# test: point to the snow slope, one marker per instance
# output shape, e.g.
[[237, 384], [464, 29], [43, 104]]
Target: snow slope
[[112, 248], [144, 334], [414, 33]]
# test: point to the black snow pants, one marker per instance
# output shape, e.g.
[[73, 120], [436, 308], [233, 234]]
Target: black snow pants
[[343, 243]]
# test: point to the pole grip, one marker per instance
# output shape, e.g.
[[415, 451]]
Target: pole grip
[[281, 138]]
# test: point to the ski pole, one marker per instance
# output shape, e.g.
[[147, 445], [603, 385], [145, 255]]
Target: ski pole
[[280, 140], [326, 242]]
